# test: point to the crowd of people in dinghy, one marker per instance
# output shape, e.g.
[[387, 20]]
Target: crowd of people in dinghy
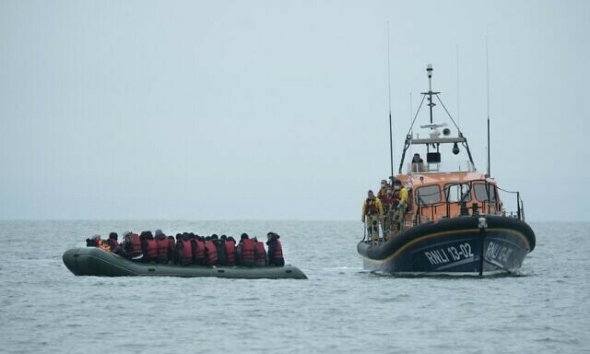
[[188, 249]]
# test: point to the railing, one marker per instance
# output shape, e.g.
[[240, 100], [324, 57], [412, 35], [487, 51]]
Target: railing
[[489, 206], [440, 167]]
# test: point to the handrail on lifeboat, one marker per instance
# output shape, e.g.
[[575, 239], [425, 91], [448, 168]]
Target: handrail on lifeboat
[[484, 206]]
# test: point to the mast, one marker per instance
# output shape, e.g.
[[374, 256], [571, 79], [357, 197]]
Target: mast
[[389, 99], [430, 93], [488, 98]]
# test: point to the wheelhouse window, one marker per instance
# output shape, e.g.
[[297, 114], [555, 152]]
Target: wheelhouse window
[[456, 193], [428, 195], [485, 192]]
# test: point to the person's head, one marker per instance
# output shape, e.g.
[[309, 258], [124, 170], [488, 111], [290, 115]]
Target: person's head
[[416, 158], [370, 194], [214, 237], [159, 232], [244, 236], [397, 184], [383, 183], [113, 236]]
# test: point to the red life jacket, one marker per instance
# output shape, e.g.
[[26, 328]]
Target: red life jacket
[[371, 208], [248, 247], [135, 246], [151, 250], [200, 251], [162, 244], [260, 255], [187, 252], [230, 252], [211, 253], [278, 253]]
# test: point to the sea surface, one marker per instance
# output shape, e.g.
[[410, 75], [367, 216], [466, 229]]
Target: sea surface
[[340, 309]]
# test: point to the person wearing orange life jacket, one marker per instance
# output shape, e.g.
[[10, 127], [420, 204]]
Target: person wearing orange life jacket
[[260, 254], [386, 200], [162, 247], [198, 245], [230, 251], [149, 247], [383, 190], [246, 251], [184, 249], [371, 215], [275, 250], [210, 252], [131, 245], [399, 204]]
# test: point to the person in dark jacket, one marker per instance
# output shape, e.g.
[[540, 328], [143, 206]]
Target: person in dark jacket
[[275, 250], [220, 245]]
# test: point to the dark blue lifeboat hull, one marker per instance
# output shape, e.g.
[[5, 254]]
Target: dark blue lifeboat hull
[[454, 246]]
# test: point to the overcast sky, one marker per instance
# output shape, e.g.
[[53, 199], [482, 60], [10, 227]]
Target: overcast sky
[[279, 109]]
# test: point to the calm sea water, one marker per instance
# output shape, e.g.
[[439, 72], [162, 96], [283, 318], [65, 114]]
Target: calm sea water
[[340, 309]]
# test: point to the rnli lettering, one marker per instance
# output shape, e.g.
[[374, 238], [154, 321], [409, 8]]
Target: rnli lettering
[[450, 254], [498, 252]]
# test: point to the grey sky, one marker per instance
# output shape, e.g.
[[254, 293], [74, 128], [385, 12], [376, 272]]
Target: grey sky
[[277, 110]]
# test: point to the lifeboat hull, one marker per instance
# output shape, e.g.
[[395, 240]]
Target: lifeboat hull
[[456, 246]]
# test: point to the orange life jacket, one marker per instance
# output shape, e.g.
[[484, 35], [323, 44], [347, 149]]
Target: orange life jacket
[[135, 246], [210, 253], [248, 247], [230, 252]]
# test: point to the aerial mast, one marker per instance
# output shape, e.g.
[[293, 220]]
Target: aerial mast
[[430, 93], [389, 98]]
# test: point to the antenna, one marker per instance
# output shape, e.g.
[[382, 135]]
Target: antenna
[[488, 97], [430, 93], [389, 98], [457, 59]]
